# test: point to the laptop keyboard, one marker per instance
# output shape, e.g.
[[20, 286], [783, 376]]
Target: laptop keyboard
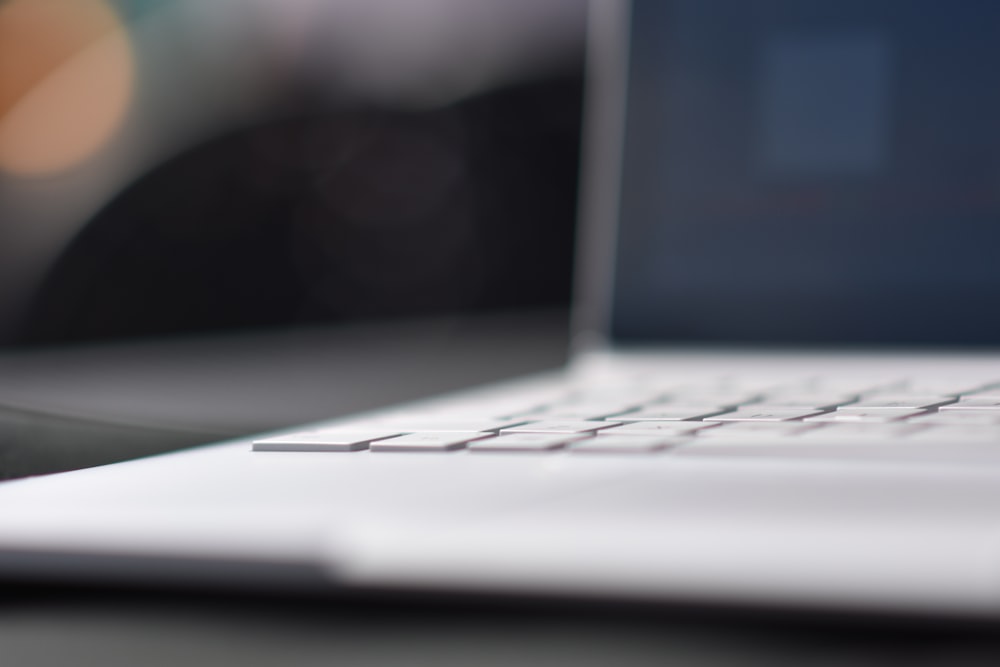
[[881, 420]]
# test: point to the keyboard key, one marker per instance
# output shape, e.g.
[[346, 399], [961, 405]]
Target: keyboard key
[[425, 442], [866, 416], [984, 393], [718, 399], [406, 424], [756, 429], [859, 431], [858, 386], [584, 411], [623, 444], [522, 442], [467, 410], [764, 413], [486, 412], [816, 401], [567, 426], [959, 417], [657, 428], [671, 412], [974, 403], [873, 449], [605, 394], [885, 401], [321, 441], [861, 442], [944, 387]]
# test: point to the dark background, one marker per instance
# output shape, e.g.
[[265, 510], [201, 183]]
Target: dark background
[[330, 215], [333, 215], [299, 163]]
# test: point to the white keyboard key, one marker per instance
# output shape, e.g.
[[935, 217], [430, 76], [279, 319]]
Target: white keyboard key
[[559, 426], [515, 415], [859, 431], [425, 442], [943, 388], [764, 413], [983, 393], [895, 451], [484, 410], [757, 430], [522, 442], [858, 386], [992, 394], [918, 446], [405, 424], [885, 401], [670, 412], [783, 446], [624, 444], [634, 395], [584, 411], [960, 417], [764, 385], [321, 441], [719, 399], [865, 416], [817, 401], [478, 413], [657, 428], [974, 403]]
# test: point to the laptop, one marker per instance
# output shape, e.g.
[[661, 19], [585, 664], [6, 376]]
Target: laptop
[[785, 391]]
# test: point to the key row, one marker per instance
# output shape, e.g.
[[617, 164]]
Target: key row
[[883, 407], [642, 437]]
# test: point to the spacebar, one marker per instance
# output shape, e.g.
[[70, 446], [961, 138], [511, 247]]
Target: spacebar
[[853, 449]]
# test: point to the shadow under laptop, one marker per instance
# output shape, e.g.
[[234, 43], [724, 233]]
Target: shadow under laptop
[[156, 627]]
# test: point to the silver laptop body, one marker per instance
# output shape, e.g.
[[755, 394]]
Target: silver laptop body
[[710, 469]]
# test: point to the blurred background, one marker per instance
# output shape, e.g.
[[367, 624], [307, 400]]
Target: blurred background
[[221, 218], [172, 166]]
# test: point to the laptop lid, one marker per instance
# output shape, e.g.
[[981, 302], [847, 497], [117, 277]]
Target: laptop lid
[[793, 172]]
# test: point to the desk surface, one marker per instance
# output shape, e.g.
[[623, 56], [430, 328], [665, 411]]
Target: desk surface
[[47, 626]]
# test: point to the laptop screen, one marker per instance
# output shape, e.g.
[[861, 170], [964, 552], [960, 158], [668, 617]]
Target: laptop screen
[[811, 171]]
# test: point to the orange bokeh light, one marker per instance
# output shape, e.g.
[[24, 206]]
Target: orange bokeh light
[[66, 81]]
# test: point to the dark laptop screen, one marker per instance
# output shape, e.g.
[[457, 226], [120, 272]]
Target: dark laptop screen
[[811, 171]]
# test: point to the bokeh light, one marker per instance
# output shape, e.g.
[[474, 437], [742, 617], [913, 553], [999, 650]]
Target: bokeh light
[[66, 82]]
